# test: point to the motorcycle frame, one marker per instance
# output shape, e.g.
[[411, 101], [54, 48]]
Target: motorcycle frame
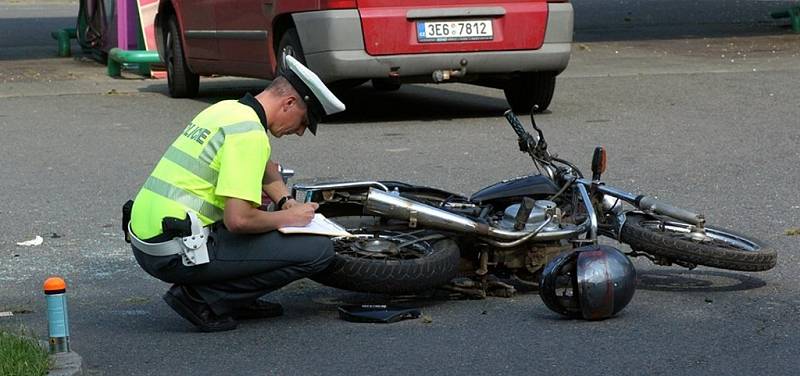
[[416, 212]]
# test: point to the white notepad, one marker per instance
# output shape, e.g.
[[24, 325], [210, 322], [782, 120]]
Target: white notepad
[[319, 226]]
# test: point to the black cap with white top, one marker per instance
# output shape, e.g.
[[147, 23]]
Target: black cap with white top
[[318, 98]]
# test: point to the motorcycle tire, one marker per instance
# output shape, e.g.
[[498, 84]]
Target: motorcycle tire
[[352, 270], [669, 239]]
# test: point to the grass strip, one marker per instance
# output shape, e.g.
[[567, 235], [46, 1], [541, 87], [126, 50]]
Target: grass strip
[[21, 355]]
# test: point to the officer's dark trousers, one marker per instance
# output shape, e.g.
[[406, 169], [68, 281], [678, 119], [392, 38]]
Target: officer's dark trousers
[[243, 267]]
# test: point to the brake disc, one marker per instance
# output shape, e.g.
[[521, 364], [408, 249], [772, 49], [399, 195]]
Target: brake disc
[[374, 247]]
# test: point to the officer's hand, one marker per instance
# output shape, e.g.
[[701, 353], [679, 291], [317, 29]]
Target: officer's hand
[[289, 203], [301, 214]]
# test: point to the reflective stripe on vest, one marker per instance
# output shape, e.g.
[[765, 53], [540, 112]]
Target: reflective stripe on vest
[[200, 167], [191, 164], [191, 201], [215, 143]]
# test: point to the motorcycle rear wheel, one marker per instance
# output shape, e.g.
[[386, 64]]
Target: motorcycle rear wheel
[[388, 259], [669, 239]]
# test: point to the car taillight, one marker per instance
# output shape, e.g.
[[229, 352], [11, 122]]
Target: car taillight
[[337, 4]]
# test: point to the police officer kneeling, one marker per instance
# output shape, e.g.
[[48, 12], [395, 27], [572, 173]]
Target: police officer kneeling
[[196, 221]]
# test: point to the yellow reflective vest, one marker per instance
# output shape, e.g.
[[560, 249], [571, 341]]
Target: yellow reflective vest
[[222, 153]]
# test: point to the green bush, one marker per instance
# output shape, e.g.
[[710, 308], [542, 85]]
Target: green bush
[[21, 355]]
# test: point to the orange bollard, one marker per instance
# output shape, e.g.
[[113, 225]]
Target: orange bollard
[[57, 321]]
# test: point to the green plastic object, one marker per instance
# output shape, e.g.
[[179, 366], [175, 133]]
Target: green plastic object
[[793, 14], [118, 56], [63, 37]]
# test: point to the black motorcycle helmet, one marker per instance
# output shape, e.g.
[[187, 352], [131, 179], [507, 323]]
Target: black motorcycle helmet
[[592, 282]]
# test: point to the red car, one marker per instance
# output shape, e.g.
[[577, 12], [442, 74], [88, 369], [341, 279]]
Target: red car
[[516, 45]]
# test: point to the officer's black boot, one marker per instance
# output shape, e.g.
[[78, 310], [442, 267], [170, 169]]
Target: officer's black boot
[[196, 311]]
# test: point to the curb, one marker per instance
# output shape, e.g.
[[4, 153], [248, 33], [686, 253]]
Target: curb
[[65, 364]]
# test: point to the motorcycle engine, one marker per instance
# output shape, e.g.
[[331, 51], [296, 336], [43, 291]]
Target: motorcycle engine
[[526, 260], [542, 209]]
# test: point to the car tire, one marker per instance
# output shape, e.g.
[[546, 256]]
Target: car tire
[[529, 90], [385, 84], [290, 45], [182, 82]]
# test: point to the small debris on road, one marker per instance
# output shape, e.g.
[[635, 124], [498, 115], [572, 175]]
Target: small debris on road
[[793, 231], [33, 242]]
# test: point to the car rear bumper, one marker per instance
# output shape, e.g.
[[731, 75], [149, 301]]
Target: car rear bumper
[[339, 65], [333, 45]]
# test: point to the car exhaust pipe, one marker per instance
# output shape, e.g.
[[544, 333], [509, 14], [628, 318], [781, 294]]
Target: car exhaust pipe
[[418, 214]]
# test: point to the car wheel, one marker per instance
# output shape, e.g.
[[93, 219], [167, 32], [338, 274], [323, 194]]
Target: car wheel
[[289, 45], [385, 84], [182, 82], [529, 90]]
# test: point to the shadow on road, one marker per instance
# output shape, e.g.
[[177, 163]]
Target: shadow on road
[[415, 102], [697, 281], [366, 105]]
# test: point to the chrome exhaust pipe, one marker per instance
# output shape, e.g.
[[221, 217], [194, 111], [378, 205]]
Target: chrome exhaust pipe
[[418, 214]]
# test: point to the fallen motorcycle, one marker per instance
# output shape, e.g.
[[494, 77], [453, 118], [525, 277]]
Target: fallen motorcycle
[[409, 238]]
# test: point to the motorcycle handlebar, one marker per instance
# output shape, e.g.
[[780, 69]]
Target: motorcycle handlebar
[[514, 121], [646, 203], [651, 204]]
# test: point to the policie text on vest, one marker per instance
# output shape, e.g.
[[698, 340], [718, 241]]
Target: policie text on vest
[[196, 133]]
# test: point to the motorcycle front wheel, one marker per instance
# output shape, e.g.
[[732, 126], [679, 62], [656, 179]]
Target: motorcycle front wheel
[[389, 258], [719, 249]]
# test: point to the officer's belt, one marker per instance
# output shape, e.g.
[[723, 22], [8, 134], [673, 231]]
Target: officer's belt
[[192, 248], [167, 248]]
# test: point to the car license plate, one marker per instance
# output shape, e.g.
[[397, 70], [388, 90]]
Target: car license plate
[[446, 31]]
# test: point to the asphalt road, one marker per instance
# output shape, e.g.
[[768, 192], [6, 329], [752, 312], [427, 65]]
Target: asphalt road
[[707, 121]]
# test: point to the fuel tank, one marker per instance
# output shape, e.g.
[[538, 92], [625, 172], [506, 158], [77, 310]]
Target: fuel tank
[[531, 186]]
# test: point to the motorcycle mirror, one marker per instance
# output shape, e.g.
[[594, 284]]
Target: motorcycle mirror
[[598, 162]]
